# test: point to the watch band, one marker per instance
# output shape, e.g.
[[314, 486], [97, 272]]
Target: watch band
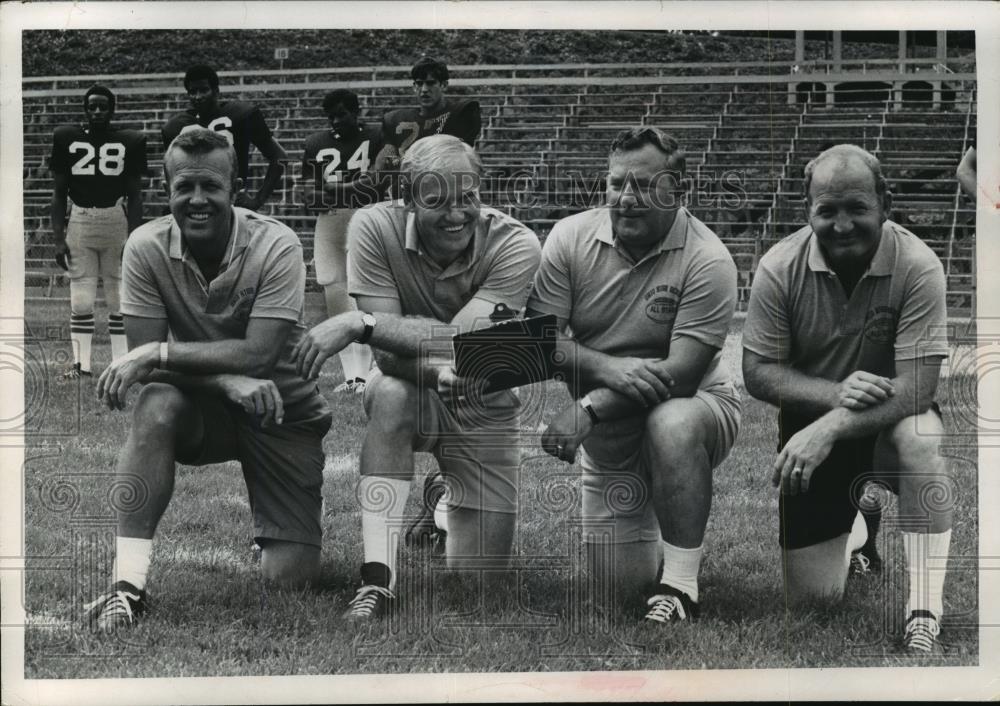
[[369, 322], [163, 355], [588, 407]]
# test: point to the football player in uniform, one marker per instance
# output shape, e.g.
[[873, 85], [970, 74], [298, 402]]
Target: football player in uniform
[[242, 123], [436, 115], [336, 181], [97, 167]]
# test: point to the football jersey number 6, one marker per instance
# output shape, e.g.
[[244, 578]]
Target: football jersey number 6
[[220, 125], [359, 161], [110, 159]]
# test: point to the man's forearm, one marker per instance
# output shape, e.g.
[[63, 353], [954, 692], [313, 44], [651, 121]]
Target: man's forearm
[[134, 213], [583, 365], [411, 336], [233, 356], [58, 216], [271, 178], [193, 383], [853, 424], [406, 368], [792, 390]]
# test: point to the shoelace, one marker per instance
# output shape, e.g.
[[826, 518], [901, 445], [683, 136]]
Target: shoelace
[[114, 605], [860, 563], [664, 608], [920, 633], [367, 598]]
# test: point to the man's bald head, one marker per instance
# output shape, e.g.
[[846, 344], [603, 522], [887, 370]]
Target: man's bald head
[[839, 157]]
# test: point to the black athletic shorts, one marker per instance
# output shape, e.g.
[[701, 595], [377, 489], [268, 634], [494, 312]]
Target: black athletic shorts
[[828, 509]]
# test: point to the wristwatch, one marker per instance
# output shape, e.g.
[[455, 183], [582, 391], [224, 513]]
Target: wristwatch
[[588, 407], [369, 321]]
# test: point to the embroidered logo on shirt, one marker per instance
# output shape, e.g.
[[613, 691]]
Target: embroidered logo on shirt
[[661, 303], [880, 325], [242, 303]]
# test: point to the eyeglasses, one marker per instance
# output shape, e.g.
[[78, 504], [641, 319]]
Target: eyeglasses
[[430, 83]]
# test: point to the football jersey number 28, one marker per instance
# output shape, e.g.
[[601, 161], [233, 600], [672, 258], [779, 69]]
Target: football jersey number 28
[[110, 159], [359, 161]]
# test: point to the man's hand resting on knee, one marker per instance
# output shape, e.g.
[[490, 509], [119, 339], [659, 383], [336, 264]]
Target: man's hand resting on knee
[[135, 366]]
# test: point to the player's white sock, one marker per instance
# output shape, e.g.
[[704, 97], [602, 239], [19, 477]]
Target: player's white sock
[[132, 560], [81, 333], [858, 536], [441, 514], [926, 562], [116, 329], [382, 503], [680, 568], [351, 360]]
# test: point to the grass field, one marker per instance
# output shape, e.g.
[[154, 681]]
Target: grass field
[[213, 617]]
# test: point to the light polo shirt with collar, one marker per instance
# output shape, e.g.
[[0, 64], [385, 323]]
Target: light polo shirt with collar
[[799, 312], [262, 275], [686, 286], [386, 260]]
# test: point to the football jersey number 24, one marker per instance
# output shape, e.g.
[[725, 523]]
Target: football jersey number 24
[[358, 161], [110, 159]]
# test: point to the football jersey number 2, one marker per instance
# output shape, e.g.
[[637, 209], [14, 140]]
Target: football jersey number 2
[[359, 161], [110, 159]]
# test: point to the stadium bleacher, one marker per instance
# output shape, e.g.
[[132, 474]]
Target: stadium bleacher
[[546, 129]]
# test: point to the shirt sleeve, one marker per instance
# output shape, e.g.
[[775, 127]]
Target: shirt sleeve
[[140, 295], [552, 293], [766, 330], [283, 284], [368, 271], [708, 300], [512, 271], [257, 128], [922, 327], [468, 123], [59, 159]]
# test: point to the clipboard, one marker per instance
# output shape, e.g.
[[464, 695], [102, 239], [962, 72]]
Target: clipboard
[[508, 354]]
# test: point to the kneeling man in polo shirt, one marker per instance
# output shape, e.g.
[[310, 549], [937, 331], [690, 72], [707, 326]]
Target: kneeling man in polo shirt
[[227, 287], [845, 334], [422, 269], [648, 292]]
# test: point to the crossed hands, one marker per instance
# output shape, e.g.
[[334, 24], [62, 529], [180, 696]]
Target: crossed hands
[[639, 379], [809, 447]]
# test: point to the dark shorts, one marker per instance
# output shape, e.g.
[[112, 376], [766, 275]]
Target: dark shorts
[[282, 464], [828, 509]]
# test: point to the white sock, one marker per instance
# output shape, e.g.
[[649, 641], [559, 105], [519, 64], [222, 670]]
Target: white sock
[[81, 333], [858, 536], [116, 330], [441, 515], [132, 560], [680, 568], [349, 361], [926, 562], [382, 503]]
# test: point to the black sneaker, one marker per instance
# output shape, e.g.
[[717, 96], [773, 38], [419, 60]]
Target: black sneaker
[[423, 531], [120, 607], [920, 634], [74, 372], [669, 605], [374, 599]]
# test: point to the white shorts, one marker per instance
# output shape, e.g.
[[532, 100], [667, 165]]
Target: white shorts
[[617, 506], [95, 237], [330, 246]]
